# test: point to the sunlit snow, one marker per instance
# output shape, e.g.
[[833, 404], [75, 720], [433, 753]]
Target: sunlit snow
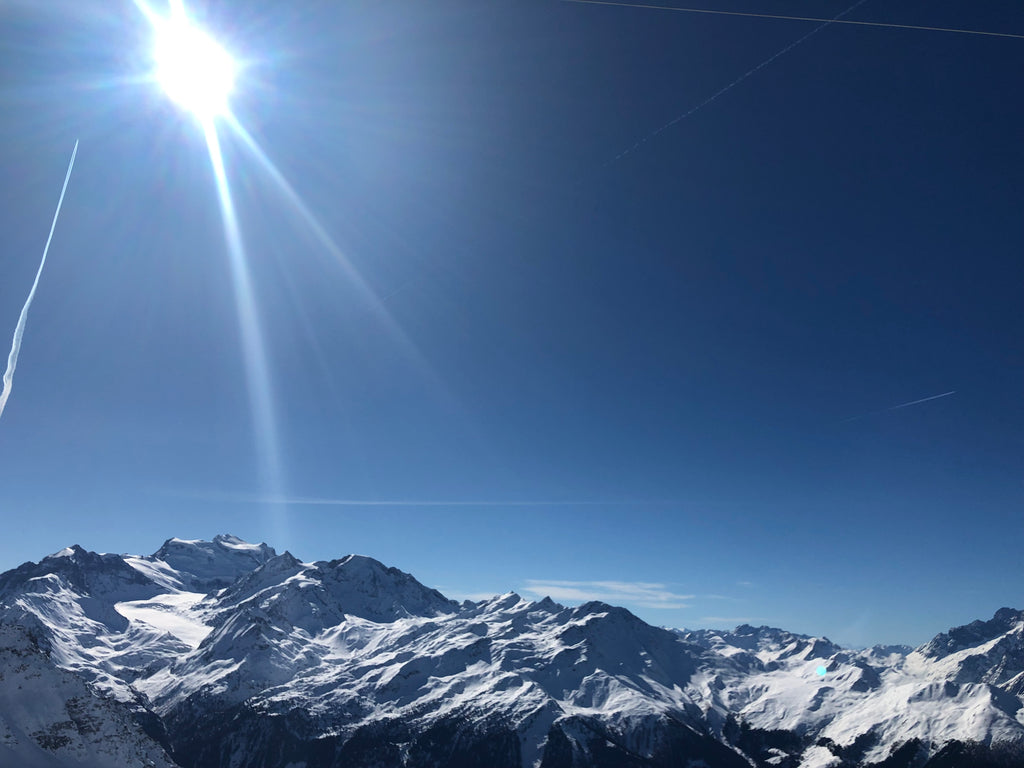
[[168, 613]]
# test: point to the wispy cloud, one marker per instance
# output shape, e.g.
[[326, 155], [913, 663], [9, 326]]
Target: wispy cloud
[[639, 593], [473, 597], [300, 501], [318, 501], [728, 621]]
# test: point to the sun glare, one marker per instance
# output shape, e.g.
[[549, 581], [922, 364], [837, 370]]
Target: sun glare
[[194, 70]]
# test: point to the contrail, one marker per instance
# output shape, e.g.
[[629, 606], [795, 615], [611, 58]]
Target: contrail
[[300, 501], [897, 407], [799, 18], [19, 331], [922, 400], [731, 85]]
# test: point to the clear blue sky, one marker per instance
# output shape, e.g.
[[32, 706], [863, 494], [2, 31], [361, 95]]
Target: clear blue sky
[[668, 371]]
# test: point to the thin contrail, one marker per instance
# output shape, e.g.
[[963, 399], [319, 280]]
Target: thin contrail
[[19, 331], [731, 85], [323, 502], [897, 407], [799, 18], [922, 400]]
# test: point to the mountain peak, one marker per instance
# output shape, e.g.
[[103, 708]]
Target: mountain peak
[[213, 564], [974, 634], [1008, 615], [368, 588], [72, 551], [228, 540]]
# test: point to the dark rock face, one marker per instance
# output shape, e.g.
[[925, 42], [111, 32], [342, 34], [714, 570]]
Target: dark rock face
[[973, 634], [957, 754], [658, 743], [910, 755], [764, 745], [241, 738]]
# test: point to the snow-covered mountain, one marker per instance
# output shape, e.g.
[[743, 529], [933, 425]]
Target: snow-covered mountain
[[225, 654]]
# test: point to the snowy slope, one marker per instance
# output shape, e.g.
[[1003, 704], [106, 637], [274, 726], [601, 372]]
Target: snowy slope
[[232, 655], [871, 703], [50, 718]]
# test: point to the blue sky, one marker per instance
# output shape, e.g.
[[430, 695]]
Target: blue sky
[[529, 361]]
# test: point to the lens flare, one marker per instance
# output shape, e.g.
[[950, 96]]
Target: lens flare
[[193, 69]]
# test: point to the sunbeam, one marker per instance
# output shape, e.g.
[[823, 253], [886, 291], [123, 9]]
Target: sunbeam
[[321, 235], [198, 75], [253, 349]]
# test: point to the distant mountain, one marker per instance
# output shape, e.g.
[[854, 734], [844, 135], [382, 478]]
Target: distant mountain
[[206, 565], [225, 654]]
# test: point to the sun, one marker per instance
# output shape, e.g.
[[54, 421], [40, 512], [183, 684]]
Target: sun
[[193, 69]]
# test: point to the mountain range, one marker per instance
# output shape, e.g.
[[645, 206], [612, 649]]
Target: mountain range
[[225, 654]]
